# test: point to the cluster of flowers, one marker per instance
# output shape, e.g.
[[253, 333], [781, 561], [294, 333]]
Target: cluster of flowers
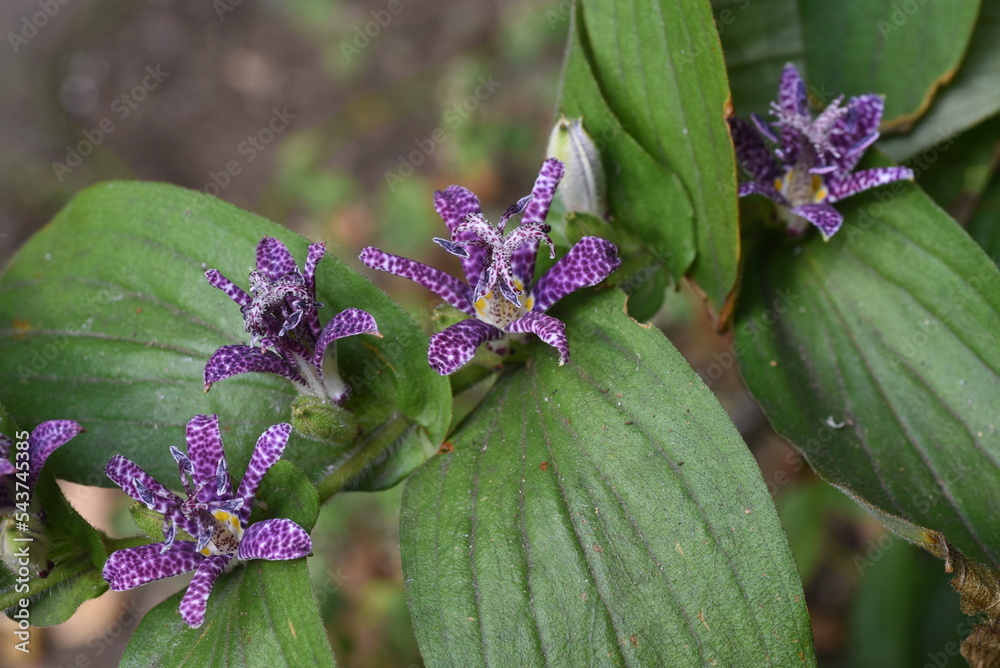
[[810, 167]]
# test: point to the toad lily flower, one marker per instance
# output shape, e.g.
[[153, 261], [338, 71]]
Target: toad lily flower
[[811, 168], [212, 512], [18, 519], [501, 267], [281, 317]]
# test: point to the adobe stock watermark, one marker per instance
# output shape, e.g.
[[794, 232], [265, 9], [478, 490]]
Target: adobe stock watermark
[[364, 34], [249, 149], [30, 25], [121, 108], [900, 14], [454, 116]]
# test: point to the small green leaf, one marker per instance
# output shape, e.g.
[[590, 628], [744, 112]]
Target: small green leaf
[[262, 614], [878, 356], [107, 318], [601, 513]]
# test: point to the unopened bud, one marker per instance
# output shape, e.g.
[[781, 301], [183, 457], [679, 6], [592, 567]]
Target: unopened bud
[[582, 187], [316, 418], [24, 545]]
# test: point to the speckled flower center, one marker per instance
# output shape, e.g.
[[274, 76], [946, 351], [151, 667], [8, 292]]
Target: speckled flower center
[[277, 306], [800, 187], [497, 310], [226, 531]]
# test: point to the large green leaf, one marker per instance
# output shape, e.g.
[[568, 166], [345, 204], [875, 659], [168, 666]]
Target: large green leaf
[[602, 513], [970, 98], [984, 225], [649, 80], [877, 355], [902, 50], [107, 319]]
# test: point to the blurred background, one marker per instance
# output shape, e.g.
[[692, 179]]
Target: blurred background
[[338, 119]]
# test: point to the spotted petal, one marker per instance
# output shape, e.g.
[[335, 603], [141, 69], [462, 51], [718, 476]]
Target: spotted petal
[[205, 451], [454, 204], [346, 323], [588, 263], [274, 259], [756, 159], [275, 540], [316, 252], [852, 184], [124, 473], [235, 292], [765, 189], [43, 441], [235, 359], [858, 130], [791, 101], [134, 566], [522, 260], [548, 329], [453, 347], [268, 450], [192, 607], [823, 216], [449, 288]]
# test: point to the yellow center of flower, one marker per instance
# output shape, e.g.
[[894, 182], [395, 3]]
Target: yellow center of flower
[[226, 534], [494, 308], [800, 187]]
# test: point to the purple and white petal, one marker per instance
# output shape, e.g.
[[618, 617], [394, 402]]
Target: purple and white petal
[[195, 600], [823, 216], [449, 288], [454, 204], [234, 359], [204, 442], [268, 450], [235, 292], [43, 441], [124, 473], [755, 158], [134, 566], [792, 102], [453, 347], [766, 189], [274, 260], [522, 260], [851, 184], [349, 322], [316, 252], [548, 329], [588, 263], [274, 540], [858, 130], [512, 210]]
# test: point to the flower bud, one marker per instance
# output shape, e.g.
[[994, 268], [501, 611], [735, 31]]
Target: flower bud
[[316, 418], [582, 187]]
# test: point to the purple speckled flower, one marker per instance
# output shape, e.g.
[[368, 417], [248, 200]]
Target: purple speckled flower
[[811, 166], [501, 267], [281, 317], [213, 513], [19, 518]]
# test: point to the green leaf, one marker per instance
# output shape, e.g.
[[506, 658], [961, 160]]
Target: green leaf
[[602, 513], [109, 320], [877, 355], [901, 49], [984, 225], [906, 51], [649, 80], [262, 614], [970, 98]]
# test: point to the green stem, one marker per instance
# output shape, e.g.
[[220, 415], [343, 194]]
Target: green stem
[[367, 452]]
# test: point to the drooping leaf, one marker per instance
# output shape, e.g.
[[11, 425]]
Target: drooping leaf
[[652, 72], [106, 317], [602, 513], [970, 98], [903, 50], [877, 356]]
